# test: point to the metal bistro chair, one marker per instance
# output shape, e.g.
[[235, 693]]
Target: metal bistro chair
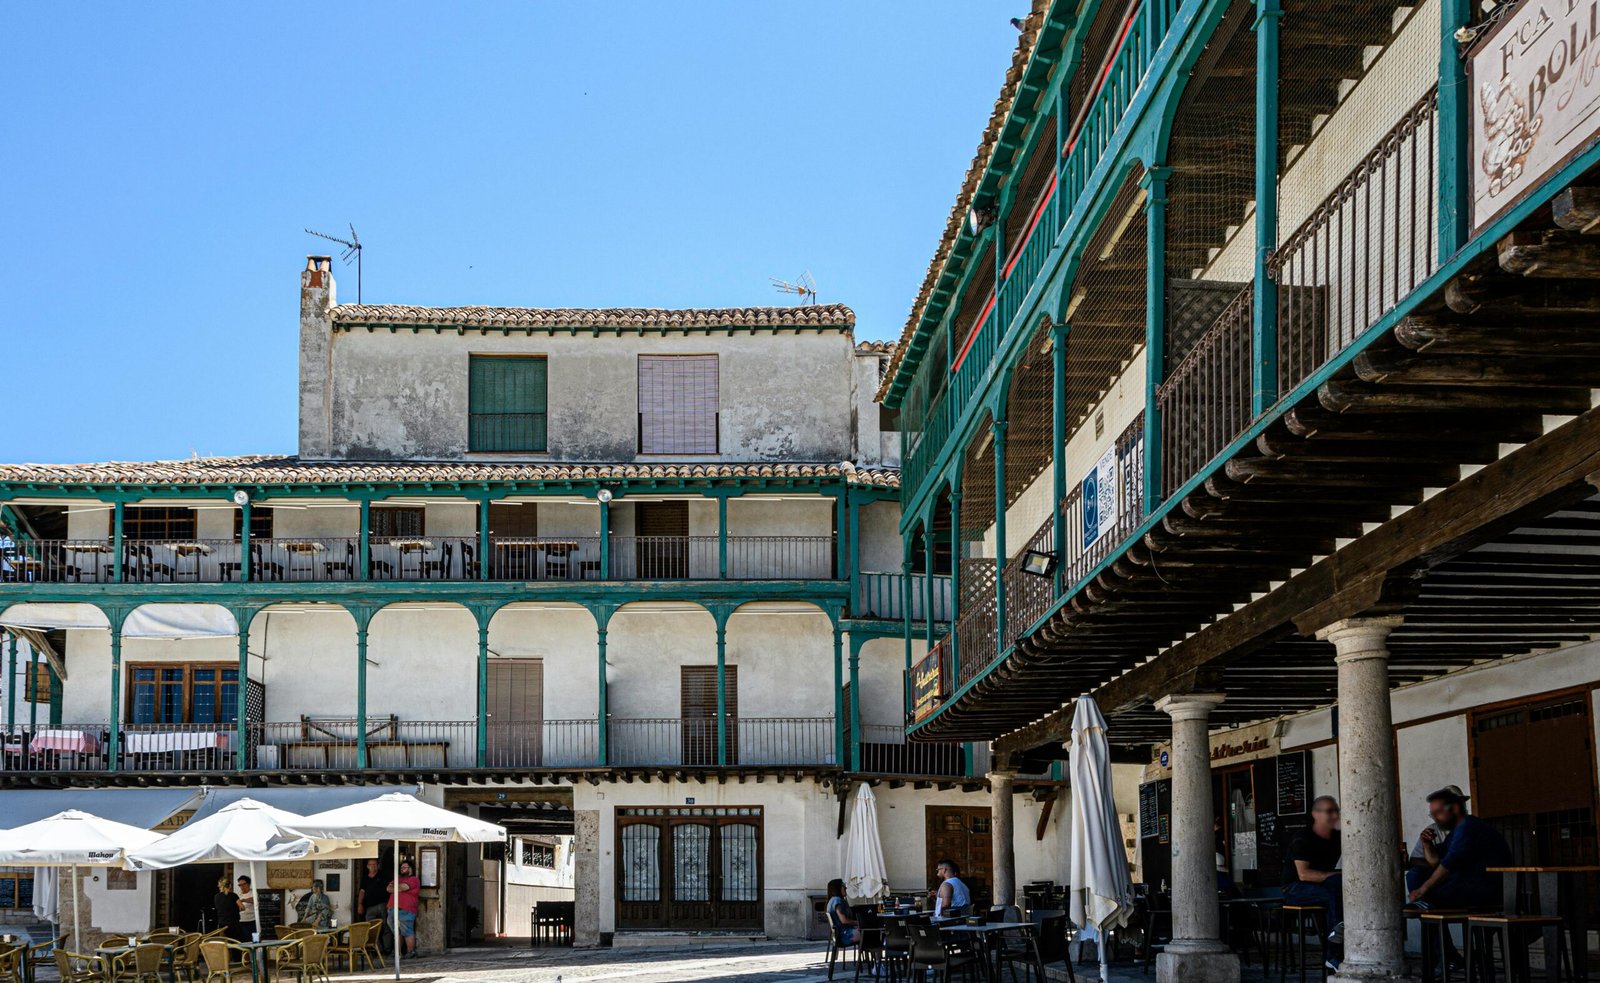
[[1301, 924], [930, 953], [440, 569]]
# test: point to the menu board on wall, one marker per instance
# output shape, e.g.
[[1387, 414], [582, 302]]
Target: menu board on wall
[[1293, 788], [1149, 810], [927, 684]]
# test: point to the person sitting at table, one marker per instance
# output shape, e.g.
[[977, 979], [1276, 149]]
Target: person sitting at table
[[840, 915], [247, 906], [226, 904], [1311, 871], [1453, 871], [951, 897], [315, 907]]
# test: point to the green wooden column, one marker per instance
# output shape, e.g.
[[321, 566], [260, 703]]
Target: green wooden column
[[117, 571], [927, 577], [955, 550], [722, 537], [1455, 159], [1155, 328], [244, 544], [1058, 448], [364, 558], [1264, 300], [115, 617], [602, 620], [840, 522], [11, 685], [905, 617], [33, 673], [853, 552], [1001, 552], [363, 616], [605, 540], [55, 698], [484, 617], [839, 750], [856, 641], [483, 538], [241, 732], [721, 613]]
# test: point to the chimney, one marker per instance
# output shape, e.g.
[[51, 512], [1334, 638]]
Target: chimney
[[317, 299]]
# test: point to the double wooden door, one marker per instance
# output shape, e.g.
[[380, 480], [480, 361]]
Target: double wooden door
[[963, 834], [689, 868]]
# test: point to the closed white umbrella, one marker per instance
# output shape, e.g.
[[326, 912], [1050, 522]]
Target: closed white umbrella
[[72, 839], [246, 831], [398, 816], [864, 872], [1102, 896]]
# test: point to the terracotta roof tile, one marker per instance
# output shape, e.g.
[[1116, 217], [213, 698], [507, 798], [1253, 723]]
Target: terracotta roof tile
[[263, 469], [642, 318], [980, 162], [878, 347]]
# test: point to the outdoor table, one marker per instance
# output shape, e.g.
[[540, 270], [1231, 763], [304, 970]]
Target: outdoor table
[[258, 955], [987, 954], [415, 548], [111, 952], [175, 742], [24, 567], [93, 551], [1563, 892], [307, 549], [188, 551]]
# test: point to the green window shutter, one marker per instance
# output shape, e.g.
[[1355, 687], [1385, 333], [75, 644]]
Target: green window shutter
[[507, 403]]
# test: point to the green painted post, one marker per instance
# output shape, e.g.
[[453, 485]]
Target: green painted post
[[241, 733], [1001, 551], [838, 696], [365, 557], [1455, 104], [722, 688], [1058, 449], [1155, 325], [955, 550], [603, 709], [483, 538], [605, 540], [722, 537], [1264, 295], [55, 697], [854, 554], [114, 745], [483, 689], [840, 557], [33, 674], [855, 702], [116, 542], [11, 686], [244, 544], [927, 577], [361, 687], [905, 618]]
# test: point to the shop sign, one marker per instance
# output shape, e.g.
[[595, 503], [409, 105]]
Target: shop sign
[[1233, 749], [1535, 95], [927, 684], [295, 874], [1099, 496]]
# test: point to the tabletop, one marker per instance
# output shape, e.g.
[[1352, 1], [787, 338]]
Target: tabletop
[[304, 547], [1554, 869], [266, 943], [986, 929]]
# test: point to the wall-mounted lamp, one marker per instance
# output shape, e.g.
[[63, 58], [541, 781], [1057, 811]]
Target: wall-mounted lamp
[[1039, 564], [979, 217], [604, 495], [241, 498]]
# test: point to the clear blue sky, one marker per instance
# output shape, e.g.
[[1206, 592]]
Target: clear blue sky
[[160, 161]]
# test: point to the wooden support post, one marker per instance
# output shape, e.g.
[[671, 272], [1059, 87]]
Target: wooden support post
[[362, 619], [839, 750], [1001, 554], [853, 552], [244, 546], [722, 614], [11, 685], [603, 694], [905, 619], [117, 565], [855, 701], [927, 577], [1058, 449], [1264, 336], [33, 675], [485, 547], [840, 558], [722, 537], [482, 758], [114, 618], [1155, 329], [605, 540], [1455, 158], [364, 555], [241, 731]]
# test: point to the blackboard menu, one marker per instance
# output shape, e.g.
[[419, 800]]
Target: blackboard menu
[[1293, 787], [1149, 810], [271, 906]]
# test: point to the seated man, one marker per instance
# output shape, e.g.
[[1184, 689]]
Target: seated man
[[1453, 871], [1311, 870]]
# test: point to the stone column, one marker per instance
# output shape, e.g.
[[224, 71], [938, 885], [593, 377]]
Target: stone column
[[1196, 953], [1374, 929], [1002, 836]]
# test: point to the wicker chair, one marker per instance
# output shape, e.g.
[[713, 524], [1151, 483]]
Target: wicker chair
[[11, 964], [186, 957], [360, 941], [308, 959], [141, 964], [220, 962], [74, 967]]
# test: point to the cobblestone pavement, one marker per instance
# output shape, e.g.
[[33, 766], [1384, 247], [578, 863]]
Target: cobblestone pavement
[[794, 962]]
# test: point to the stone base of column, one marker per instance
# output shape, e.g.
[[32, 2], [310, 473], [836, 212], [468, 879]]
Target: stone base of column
[[1197, 962], [1349, 973]]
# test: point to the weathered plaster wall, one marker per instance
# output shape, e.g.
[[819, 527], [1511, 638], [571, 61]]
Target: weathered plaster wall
[[879, 527]]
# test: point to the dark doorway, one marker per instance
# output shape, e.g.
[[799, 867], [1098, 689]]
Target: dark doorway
[[661, 530], [698, 702], [194, 888], [689, 868]]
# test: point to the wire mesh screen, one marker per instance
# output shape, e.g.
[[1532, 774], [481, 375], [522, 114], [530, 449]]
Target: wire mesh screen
[[1106, 305], [1099, 43], [1038, 176]]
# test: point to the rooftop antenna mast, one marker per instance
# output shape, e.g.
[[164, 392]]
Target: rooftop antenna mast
[[352, 247], [805, 287]]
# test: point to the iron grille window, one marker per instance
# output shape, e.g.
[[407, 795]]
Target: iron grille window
[[260, 522], [396, 520], [678, 404], [158, 523], [507, 403], [182, 694]]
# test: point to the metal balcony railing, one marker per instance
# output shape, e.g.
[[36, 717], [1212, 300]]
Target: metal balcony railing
[[882, 595], [885, 751], [673, 742]]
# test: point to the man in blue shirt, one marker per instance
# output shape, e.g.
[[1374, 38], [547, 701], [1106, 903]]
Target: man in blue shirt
[[1453, 873]]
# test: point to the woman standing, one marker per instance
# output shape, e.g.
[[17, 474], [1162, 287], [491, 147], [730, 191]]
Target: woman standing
[[226, 904]]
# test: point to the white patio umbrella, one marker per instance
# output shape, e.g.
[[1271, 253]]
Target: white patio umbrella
[[1102, 896], [247, 831], [72, 839], [398, 816], [864, 872]]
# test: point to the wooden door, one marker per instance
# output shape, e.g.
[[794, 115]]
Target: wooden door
[[661, 535], [698, 716], [516, 712], [689, 868], [962, 834], [1533, 778]]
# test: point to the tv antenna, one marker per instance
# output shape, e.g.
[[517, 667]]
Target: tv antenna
[[805, 287], [352, 247]]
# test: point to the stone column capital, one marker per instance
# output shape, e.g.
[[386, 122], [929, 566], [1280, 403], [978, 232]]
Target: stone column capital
[[1189, 706], [1002, 777], [1360, 638]]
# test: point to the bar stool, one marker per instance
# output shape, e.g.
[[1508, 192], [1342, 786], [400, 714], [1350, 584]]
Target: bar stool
[[1434, 928], [1514, 933], [1299, 918]]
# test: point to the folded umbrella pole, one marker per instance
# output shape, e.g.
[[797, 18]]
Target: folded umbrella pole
[[1102, 895]]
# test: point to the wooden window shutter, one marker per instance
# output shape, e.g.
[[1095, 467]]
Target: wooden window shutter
[[678, 404], [507, 403]]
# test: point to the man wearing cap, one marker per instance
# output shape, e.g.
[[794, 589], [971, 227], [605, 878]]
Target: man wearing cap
[[1456, 851]]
